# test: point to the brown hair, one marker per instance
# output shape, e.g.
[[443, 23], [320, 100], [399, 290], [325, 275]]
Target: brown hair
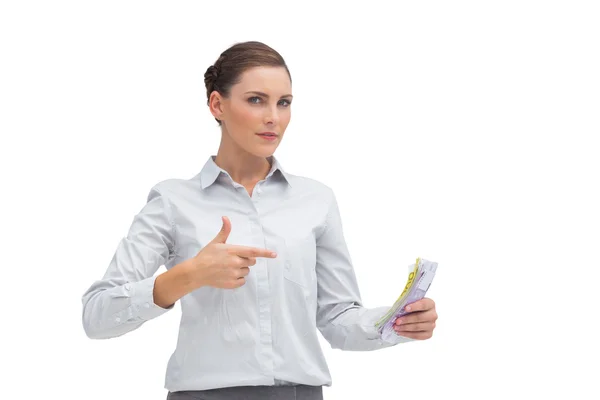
[[228, 68]]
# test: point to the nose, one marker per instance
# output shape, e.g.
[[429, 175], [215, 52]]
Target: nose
[[271, 116]]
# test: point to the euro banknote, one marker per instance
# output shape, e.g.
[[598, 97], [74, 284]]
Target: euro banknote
[[419, 279]]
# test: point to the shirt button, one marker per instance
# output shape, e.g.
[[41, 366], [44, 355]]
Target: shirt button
[[127, 286], [117, 319]]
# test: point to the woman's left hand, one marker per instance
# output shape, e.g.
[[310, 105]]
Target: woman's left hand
[[419, 323]]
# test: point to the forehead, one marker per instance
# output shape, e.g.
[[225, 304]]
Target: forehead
[[271, 80]]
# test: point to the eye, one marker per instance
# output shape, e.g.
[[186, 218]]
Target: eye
[[285, 103], [254, 100]]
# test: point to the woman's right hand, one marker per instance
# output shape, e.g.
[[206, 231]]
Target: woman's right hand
[[223, 265]]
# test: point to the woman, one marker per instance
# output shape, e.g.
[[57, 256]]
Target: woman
[[255, 255]]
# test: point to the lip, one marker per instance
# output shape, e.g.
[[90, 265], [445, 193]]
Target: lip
[[272, 137]]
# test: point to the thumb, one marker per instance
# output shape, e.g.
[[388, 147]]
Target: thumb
[[224, 232]]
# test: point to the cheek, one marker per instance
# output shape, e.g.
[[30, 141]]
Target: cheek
[[246, 116], [285, 117]]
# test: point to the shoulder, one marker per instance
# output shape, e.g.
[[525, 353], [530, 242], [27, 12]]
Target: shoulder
[[311, 186], [173, 187]]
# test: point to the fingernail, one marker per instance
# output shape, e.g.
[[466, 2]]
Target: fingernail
[[408, 308], [273, 254], [398, 322]]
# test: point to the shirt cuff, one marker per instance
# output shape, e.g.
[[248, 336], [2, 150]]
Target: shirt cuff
[[395, 339], [142, 299]]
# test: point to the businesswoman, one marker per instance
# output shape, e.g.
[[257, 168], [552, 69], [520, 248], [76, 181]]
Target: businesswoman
[[254, 254]]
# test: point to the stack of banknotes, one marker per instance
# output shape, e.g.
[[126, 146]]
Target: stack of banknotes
[[419, 279]]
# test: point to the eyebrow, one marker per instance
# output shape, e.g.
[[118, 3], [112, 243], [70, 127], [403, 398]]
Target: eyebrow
[[266, 95]]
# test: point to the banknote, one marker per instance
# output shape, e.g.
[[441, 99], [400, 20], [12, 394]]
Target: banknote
[[419, 280]]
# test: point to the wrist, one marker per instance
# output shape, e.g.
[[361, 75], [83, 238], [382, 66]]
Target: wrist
[[188, 280], [173, 284], [193, 273]]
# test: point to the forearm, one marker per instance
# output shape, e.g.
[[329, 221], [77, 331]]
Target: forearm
[[173, 284]]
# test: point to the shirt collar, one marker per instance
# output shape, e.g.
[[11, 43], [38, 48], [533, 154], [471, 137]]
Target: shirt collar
[[211, 171]]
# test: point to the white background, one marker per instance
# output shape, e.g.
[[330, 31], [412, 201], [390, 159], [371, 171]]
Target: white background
[[464, 132]]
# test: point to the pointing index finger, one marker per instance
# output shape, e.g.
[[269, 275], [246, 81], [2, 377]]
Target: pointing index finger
[[244, 251]]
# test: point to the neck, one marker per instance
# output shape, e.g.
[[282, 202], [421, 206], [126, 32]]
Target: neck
[[243, 167]]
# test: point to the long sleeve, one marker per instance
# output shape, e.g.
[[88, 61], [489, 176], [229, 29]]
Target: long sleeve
[[123, 299], [341, 317]]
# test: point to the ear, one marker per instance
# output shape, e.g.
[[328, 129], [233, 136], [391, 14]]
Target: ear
[[215, 104]]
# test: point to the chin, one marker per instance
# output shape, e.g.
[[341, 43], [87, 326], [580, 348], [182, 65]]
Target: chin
[[265, 150], [264, 153]]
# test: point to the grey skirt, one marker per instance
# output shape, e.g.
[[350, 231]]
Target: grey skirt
[[296, 392]]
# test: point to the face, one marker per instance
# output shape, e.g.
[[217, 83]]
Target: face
[[258, 110]]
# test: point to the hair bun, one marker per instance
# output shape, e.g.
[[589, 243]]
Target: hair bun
[[211, 75], [210, 78]]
